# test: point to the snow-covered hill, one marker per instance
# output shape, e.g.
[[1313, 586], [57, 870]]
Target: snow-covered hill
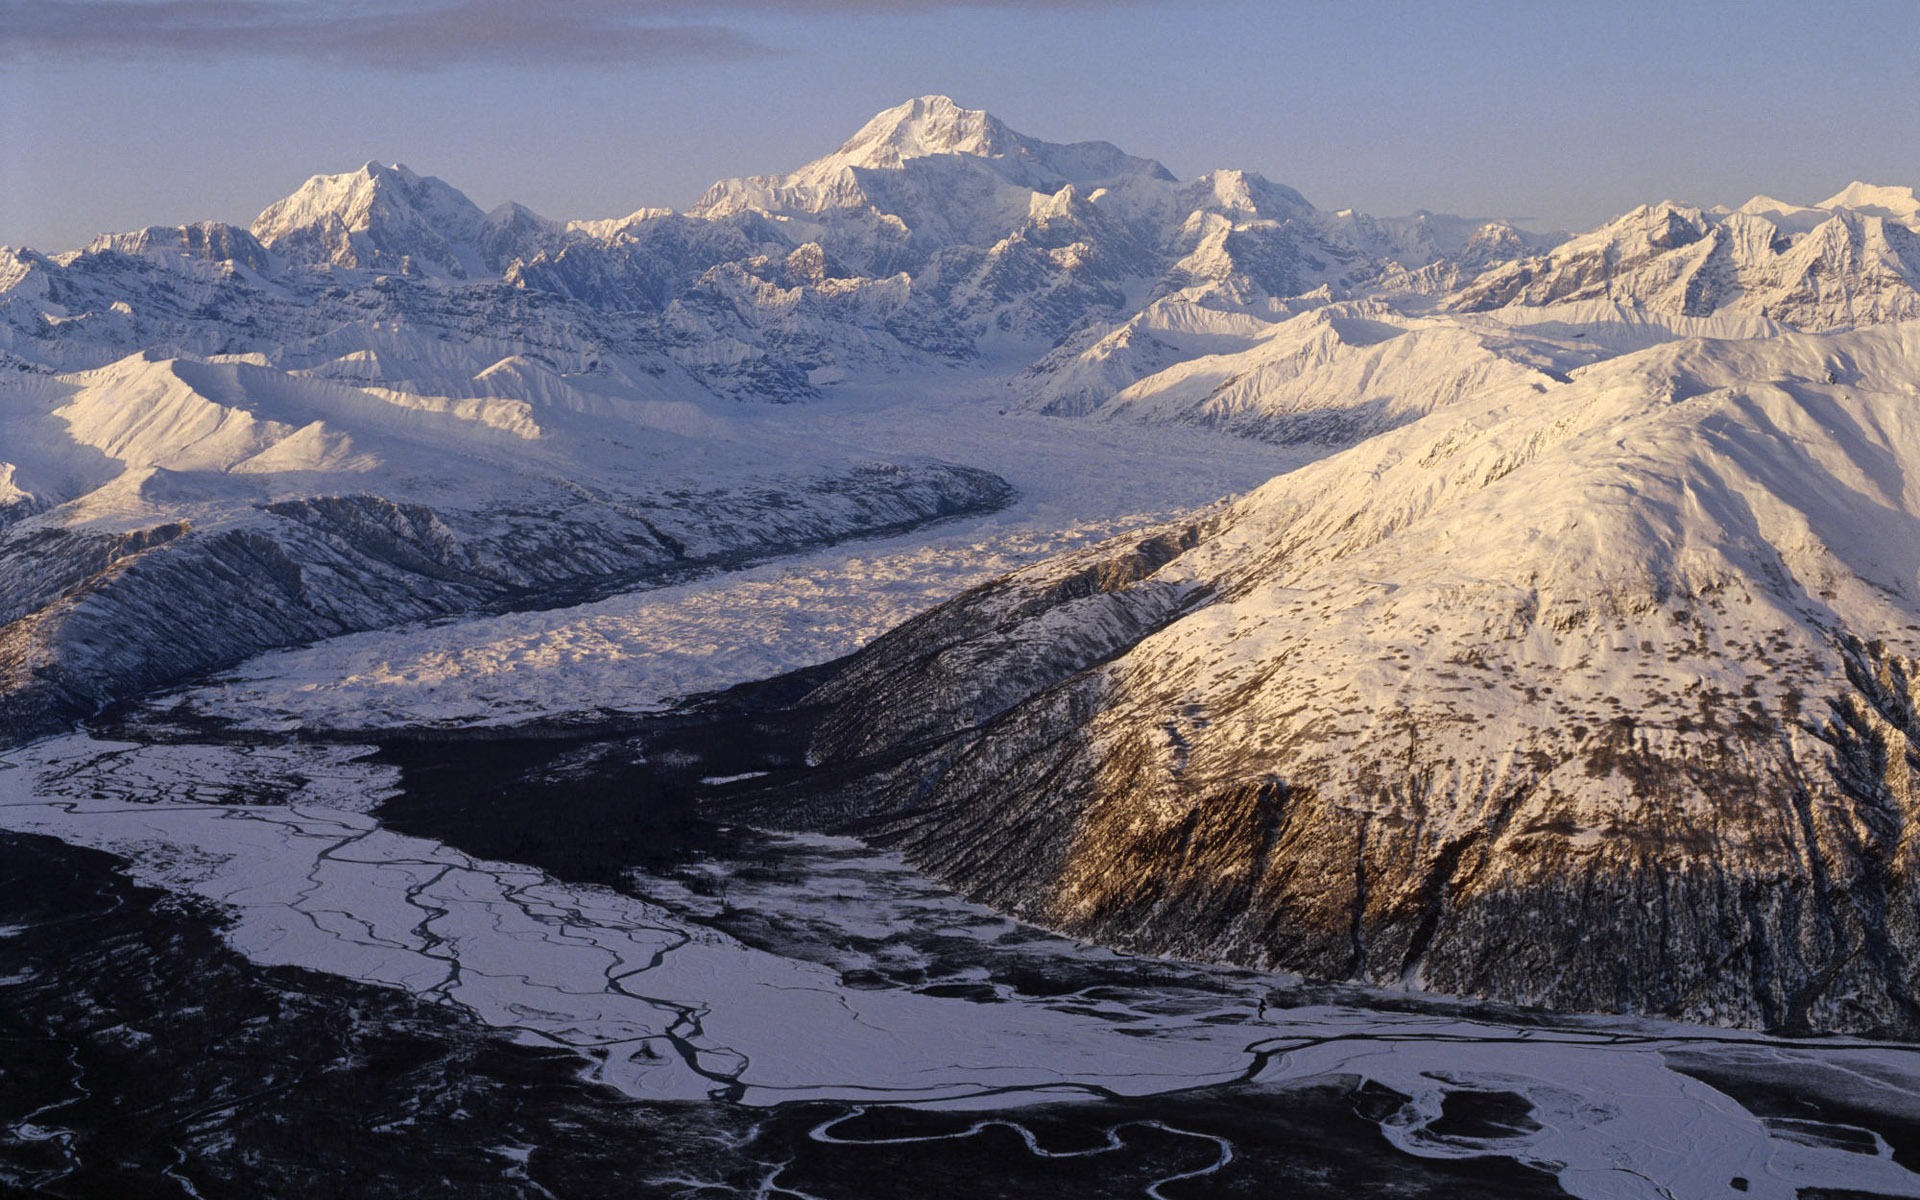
[[1590, 694]]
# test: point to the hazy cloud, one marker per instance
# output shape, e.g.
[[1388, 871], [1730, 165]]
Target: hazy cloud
[[367, 31], [392, 33]]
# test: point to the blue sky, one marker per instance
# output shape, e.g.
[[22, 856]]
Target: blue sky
[[121, 113]]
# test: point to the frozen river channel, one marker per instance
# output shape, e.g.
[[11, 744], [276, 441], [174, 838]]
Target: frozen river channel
[[783, 974]]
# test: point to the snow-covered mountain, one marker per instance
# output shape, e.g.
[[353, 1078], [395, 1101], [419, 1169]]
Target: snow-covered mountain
[[1590, 694], [1853, 259], [386, 218], [381, 403], [934, 235], [1202, 354], [1596, 600], [935, 245], [928, 176]]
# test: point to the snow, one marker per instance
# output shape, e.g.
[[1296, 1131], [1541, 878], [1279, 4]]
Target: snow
[[364, 218], [1563, 431], [926, 126], [667, 1010], [1833, 266], [934, 127], [640, 651], [1480, 532], [1893, 203]]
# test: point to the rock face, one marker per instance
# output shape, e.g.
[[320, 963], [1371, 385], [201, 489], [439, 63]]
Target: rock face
[[1592, 697]]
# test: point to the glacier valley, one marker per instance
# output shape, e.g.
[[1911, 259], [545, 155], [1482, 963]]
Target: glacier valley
[[972, 667]]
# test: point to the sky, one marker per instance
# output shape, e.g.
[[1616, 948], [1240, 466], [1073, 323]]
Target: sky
[[116, 114]]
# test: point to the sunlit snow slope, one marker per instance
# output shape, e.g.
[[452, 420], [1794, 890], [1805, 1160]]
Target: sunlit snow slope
[[1593, 694]]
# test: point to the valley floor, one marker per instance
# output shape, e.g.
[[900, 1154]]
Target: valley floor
[[552, 931], [1078, 483], [813, 982]]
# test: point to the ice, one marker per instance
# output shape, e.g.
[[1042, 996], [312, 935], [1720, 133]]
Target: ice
[[640, 651]]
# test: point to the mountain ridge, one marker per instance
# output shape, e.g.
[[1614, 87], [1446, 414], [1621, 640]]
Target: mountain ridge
[[1007, 245], [1433, 711]]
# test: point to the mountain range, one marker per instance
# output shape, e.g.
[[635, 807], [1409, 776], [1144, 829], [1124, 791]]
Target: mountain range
[[1597, 596]]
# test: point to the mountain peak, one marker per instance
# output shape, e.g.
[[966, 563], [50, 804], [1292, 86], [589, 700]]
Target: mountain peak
[[923, 127], [937, 173], [358, 198], [936, 127], [1895, 203], [382, 217], [375, 170]]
